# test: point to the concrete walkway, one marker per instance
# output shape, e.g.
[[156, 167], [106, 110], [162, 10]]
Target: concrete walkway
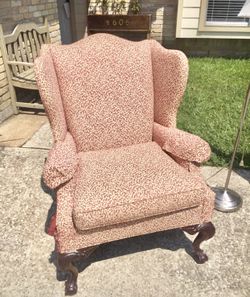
[[155, 265]]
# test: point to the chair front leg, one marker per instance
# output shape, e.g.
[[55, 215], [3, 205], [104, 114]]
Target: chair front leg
[[206, 231], [66, 264]]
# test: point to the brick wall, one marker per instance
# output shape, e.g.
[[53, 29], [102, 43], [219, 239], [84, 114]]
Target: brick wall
[[13, 12], [164, 14], [19, 11]]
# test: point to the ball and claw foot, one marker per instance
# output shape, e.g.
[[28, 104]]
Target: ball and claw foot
[[206, 231], [200, 257], [70, 287], [66, 263]]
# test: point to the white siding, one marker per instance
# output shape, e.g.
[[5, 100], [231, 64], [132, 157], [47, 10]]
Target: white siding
[[192, 3], [188, 23], [191, 13]]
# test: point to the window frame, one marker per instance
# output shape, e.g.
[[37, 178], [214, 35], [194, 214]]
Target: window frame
[[204, 27]]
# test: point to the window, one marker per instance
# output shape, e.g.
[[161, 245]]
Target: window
[[223, 15]]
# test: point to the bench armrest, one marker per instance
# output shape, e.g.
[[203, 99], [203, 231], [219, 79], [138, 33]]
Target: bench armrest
[[20, 63]]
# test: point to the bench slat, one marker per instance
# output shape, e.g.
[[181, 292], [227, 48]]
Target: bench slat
[[20, 63], [17, 56], [30, 105], [27, 48], [44, 37], [40, 39], [36, 42], [11, 58], [22, 50], [32, 44]]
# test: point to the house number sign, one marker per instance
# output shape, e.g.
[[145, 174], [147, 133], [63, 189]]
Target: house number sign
[[117, 22]]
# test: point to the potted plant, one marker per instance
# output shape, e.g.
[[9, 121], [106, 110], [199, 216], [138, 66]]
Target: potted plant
[[118, 7], [135, 7], [114, 16]]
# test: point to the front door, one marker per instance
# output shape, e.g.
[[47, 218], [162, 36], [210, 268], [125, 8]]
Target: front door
[[79, 16], [64, 15]]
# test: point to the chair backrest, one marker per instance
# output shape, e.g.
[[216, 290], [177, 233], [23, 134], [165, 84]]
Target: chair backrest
[[106, 86], [24, 44], [107, 91]]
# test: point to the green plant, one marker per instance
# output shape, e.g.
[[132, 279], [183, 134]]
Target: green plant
[[135, 6], [212, 106], [92, 7], [104, 6], [118, 6]]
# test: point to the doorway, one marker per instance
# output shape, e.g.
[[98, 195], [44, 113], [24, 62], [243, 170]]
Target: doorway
[[64, 16], [73, 19]]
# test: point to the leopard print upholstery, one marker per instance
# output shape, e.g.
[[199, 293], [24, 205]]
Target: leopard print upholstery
[[103, 94], [181, 144], [106, 92], [170, 73], [62, 163]]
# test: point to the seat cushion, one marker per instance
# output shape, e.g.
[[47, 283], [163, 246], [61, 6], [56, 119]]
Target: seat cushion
[[131, 183]]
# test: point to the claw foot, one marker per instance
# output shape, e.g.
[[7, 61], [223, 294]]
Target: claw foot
[[200, 257], [205, 231], [70, 288]]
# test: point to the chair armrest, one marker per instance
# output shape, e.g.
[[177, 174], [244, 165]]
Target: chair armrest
[[61, 163], [181, 144]]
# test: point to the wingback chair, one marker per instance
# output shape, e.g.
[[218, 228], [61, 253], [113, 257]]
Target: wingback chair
[[119, 165]]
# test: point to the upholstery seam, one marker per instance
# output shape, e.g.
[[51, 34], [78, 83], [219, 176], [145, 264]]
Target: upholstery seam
[[142, 218], [124, 204]]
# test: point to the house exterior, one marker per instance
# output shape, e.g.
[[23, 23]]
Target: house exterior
[[213, 27], [211, 19], [183, 24], [198, 27]]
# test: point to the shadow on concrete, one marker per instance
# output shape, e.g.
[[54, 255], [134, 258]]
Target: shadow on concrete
[[52, 209], [171, 240], [244, 173]]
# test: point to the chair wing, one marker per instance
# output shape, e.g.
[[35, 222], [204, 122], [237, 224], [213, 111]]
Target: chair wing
[[50, 93], [170, 73]]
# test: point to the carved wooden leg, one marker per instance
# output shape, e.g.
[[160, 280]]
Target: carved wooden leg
[[66, 263], [206, 231]]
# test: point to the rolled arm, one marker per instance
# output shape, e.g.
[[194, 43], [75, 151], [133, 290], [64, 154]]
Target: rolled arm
[[181, 144], [61, 163]]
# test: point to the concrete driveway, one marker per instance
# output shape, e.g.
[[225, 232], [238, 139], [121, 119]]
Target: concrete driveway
[[155, 265]]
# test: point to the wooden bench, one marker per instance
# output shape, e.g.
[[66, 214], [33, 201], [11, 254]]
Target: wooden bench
[[19, 50]]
